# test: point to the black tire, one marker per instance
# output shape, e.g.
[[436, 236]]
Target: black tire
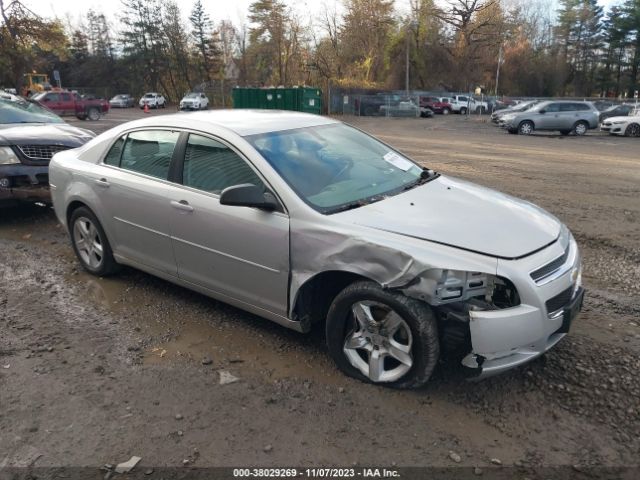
[[526, 128], [632, 130], [419, 317], [93, 114], [581, 128], [446, 111], [164, 104], [463, 111], [107, 264]]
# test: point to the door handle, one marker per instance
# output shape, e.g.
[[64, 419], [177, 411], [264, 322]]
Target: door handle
[[182, 205], [102, 182]]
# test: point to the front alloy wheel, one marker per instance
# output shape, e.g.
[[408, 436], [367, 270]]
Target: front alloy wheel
[[380, 343], [381, 336], [526, 128]]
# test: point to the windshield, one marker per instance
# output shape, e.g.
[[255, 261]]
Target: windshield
[[336, 167], [150, 95], [192, 95], [25, 112], [525, 106]]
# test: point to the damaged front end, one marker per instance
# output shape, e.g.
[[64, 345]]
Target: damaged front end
[[24, 183]]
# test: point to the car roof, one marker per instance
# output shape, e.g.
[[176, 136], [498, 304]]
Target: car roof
[[241, 121]]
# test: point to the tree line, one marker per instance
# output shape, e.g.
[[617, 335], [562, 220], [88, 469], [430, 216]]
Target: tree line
[[504, 46]]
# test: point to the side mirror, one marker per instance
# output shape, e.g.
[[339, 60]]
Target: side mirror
[[543, 111], [46, 99], [248, 195]]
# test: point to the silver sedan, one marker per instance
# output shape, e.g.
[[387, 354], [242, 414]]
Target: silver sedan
[[302, 219]]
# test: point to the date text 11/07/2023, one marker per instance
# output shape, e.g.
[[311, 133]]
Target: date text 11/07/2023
[[315, 473]]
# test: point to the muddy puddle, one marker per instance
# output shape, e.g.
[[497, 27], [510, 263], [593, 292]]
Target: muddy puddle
[[178, 325]]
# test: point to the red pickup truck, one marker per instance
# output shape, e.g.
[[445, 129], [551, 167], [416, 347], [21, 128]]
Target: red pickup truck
[[69, 103], [437, 104]]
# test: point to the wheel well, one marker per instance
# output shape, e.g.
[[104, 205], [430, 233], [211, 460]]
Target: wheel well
[[315, 297], [73, 206]]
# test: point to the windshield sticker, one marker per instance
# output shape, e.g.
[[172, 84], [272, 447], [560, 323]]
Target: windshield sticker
[[397, 161]]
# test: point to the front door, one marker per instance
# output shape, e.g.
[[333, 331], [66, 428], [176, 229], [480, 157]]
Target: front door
[[240, 252]]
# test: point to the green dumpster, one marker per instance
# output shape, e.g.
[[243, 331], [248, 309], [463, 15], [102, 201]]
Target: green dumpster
[[301, 99]]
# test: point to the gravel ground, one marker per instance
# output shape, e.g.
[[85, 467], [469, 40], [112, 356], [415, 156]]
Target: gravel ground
[[93, 371]]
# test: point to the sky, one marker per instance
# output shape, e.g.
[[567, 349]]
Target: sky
[[234, 10]]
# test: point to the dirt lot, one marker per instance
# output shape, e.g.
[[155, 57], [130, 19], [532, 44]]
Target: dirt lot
[[93, 371]]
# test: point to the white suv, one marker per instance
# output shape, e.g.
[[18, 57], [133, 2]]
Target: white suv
[[194, 101], [153, 99], [466, 103]]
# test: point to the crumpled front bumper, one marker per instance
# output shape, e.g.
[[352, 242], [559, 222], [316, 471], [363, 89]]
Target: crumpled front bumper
[[505, 338], [523, 322], [26, 182]]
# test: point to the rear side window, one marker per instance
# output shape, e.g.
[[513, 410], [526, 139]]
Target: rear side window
[[212, 166], [149, 152], [113, 157]]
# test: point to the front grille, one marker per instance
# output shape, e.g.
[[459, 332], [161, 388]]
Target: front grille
[[41, 152], [556, 303], [546, 270]]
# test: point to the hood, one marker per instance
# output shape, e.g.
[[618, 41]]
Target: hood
[[44, 134], [463, 215], [626, 118]]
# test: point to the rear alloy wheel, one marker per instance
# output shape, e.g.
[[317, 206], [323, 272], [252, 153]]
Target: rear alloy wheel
[[382, 337], [580, 128], [632, 130], [90, 243], [526, 128]]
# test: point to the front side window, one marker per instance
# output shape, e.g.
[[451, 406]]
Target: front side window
[[52, 97], [149, 152], [66, 97], [334, 167], [212, 166]]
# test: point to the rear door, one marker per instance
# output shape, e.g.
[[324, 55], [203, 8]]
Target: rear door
[[239, 252], [67, 104], [132, 186]]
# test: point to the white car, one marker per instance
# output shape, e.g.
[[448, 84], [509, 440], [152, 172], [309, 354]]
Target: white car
[[463, 104], [153, 99], [194, 101], [628, 126]]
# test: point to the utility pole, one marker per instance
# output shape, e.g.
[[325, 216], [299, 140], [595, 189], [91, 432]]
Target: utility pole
[[500, 62], [406, 73]]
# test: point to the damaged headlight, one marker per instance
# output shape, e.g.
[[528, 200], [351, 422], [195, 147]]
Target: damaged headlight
[[7, 156]]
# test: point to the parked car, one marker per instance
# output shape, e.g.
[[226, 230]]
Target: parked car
[[467, 103], [369, 105], [436, 104], [496, 117], [29, 136], [565, 116], [62, 102], [194, 101], [629, 125], [153, 100], [302, 219], [122, 100], [406, 108], [617, 111]]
